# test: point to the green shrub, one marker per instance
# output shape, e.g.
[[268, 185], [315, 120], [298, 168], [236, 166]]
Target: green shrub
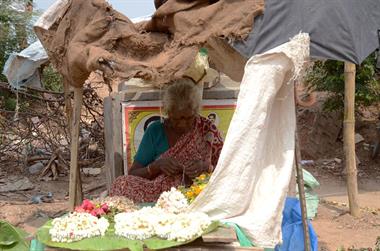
[[16, 29], [328, 76], [51, 79]]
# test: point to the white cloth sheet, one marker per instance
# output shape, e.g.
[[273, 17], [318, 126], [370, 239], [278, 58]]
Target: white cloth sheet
[[251, 180]]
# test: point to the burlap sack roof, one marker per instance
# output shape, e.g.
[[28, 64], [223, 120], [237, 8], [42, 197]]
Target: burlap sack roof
[[91, 36]]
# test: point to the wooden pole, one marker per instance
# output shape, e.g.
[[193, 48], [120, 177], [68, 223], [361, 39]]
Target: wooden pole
[[301, 194], [300, 183], [349, 137], [68, 106], [75, 186]]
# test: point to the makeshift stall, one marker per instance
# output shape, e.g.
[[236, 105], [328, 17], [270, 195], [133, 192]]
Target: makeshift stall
[[260, 149], [75, 49]]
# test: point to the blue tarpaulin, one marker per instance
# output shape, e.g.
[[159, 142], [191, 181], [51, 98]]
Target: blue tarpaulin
[[292, 230]]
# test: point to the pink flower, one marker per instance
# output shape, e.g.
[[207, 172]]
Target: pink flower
[[98, 211], [87, 205], [105, 207], [79, 209]]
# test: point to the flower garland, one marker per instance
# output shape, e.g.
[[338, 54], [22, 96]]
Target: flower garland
[[169, 219], [77, 226], [172, 201], [182, 227], [118, 203], [96, 210], [138, 225]]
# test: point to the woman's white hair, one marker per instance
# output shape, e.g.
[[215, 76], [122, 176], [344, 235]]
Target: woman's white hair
[[182, 94]]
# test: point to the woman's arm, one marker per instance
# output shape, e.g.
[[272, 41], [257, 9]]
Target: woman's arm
[[169, 167], [145, 172], [144, 157]]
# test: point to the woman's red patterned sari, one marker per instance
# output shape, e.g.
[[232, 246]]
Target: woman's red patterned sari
[[203, 142]]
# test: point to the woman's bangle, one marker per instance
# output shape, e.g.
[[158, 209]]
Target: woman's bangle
[[149, 171]]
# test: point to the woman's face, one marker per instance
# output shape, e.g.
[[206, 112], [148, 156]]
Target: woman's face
[[182, 120]]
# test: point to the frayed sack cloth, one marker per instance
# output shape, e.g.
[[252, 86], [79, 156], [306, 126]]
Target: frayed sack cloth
[[251, 180]]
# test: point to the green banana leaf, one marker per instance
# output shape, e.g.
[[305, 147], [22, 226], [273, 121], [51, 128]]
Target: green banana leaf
[[107, 242], [12, 238], [110, 241]]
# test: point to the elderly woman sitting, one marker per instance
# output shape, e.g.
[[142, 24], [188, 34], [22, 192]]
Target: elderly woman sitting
[[172, 151]]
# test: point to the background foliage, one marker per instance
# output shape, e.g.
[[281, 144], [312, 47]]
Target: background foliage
[[328, 76], [16, 28]]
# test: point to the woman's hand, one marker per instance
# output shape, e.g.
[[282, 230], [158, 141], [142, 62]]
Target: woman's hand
[[168, 166], [196, 168]]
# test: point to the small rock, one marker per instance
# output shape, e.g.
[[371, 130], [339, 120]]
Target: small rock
[[366, 114], [93, 147], [16, 184], [35, 120], [64, 142], [92, 171], [358, 138], [307, 162], [85, 134], [36, 168], [337, 160], [46, 178]]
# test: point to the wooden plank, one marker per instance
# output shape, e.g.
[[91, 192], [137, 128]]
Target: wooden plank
[[108, 138], [213, 248], [74, 196], [188, 248], [113, 138], [117, 136], [222, 234]]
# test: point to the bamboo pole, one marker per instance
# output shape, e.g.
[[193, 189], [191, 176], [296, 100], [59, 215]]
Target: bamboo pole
[[349, 137], [75, 186]]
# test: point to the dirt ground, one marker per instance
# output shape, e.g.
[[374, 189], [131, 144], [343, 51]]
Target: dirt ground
[[334, 226], [18, 209], [321, 142]]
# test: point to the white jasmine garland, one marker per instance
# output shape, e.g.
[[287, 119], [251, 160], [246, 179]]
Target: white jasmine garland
[[138, 225], [77, 226], [173, 201], [182, 227], [148, 222]]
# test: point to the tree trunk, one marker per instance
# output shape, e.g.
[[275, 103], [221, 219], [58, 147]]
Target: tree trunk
[[349, 137]]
